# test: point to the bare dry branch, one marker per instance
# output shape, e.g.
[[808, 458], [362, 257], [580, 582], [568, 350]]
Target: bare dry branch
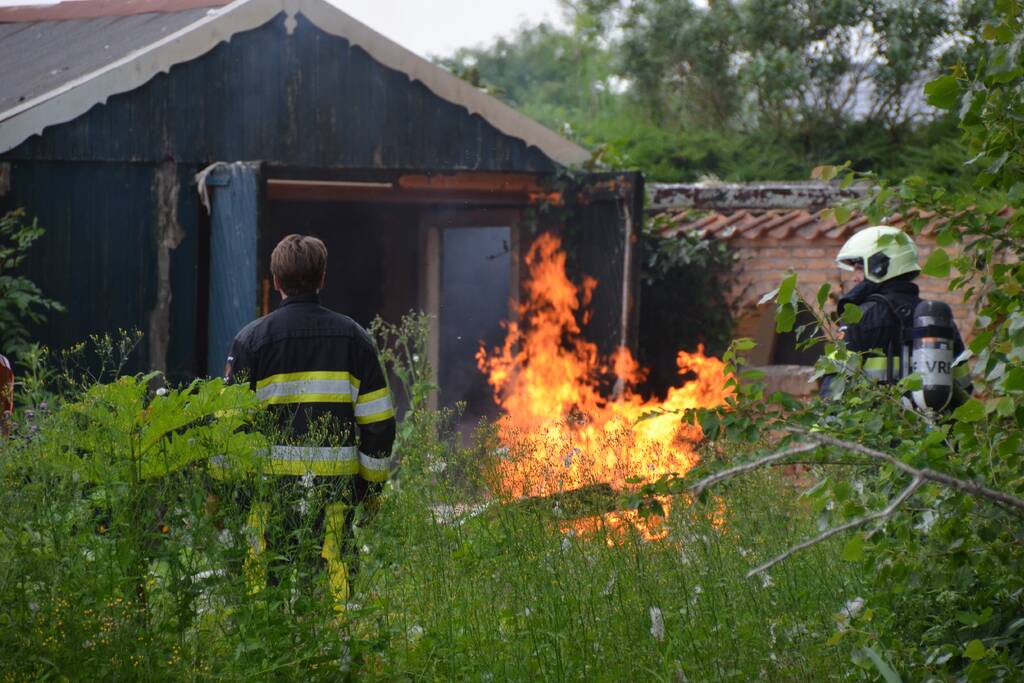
[[926, 473], [713, 479], [852, 524]]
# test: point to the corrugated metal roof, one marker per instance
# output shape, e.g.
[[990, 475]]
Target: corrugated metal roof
[[81, 64], [40, 57], [796, 225], [92, 9]]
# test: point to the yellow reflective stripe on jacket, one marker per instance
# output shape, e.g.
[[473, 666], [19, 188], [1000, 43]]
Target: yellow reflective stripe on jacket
[[876, 367], [374, 469], [308, 376], [374, 406], [308, 387]]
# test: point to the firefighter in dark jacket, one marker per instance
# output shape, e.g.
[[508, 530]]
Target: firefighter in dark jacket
[[885, 262], [319, 373]]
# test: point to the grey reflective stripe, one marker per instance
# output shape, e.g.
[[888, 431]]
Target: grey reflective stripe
[[306, 387], [314, 453], [375, 464], [374, 407]]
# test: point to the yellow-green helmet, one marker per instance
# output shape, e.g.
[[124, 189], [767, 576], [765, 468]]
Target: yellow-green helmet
[[882, 251]]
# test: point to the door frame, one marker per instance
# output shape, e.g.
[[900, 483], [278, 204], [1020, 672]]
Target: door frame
[[432, 223]]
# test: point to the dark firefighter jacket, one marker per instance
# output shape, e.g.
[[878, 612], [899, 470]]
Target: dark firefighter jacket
[[319, 372], [877, 334]]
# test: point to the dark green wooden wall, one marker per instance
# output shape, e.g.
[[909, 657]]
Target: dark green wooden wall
[[307, 100]]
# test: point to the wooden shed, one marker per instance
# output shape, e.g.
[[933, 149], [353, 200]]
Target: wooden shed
[[120, 119]]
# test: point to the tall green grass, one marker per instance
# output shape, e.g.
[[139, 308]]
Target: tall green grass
[[470, 588], [125, 578]]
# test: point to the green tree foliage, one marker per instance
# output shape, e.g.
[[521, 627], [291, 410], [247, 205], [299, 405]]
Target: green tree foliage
[[937, 501], [742, 90], [21, 302]]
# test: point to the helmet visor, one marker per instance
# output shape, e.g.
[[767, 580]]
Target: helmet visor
[[850, 264]]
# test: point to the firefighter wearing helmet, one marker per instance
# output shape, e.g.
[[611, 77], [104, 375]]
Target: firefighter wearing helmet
[[898, 332]]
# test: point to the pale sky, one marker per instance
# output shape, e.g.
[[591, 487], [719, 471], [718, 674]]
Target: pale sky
[[436, 27]]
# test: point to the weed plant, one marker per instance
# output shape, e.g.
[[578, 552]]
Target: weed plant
[[125, 555], [468, 586]]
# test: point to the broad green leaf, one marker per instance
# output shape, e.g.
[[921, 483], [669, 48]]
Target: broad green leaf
[[942, 92], [852, 314], [787, 290], [937, 264], [980, 342], [911, 382], [744, 344], [1005, 406], [853, 551], [1014, 380], [1009, 446], [975, 650], [785, 317], [841, 214], [883, 667], [947, 237], [823, 292], [972, 411]]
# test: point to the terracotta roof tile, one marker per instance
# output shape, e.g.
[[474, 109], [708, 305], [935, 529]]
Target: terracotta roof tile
[[785, 224]]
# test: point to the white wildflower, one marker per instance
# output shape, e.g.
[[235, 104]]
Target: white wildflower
[[307, 479], [928, 519], [609, 586], [365, 549], [743, 552], [657, 624], [766, 580], [683, 557], [849, 612], [437, 467], [414, 632], [566, 544], [302, 507], [527, 612], [697, 590]]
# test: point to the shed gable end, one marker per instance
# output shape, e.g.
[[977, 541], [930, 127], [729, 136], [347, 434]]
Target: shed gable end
[[305, 98]]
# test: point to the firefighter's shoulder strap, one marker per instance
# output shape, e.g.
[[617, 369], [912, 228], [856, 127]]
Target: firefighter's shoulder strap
[[904, 314]]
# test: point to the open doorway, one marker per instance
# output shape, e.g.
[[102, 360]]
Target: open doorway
[[475, 290], [471, 287]]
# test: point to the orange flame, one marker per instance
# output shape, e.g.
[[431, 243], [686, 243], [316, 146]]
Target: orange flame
[[561, 430]]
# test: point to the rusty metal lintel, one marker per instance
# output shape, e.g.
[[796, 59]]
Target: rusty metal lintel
[[489, 189]]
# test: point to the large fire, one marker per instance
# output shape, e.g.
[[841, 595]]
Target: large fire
[[572, 418]]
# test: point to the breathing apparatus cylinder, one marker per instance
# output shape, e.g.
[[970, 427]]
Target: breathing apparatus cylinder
[[932, 354]]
